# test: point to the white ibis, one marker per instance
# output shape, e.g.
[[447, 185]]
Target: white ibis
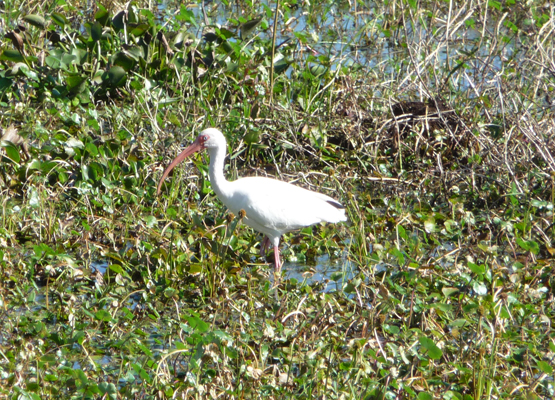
[[272, 207]]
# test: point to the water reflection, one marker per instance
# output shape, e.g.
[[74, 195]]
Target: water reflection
[[332, 274]]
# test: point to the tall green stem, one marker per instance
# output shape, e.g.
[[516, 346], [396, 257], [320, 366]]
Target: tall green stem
[[273, 53]]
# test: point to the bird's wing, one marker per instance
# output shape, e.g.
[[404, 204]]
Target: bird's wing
[[283, 207]]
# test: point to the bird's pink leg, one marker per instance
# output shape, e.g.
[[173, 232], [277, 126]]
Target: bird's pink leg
[[276, 259], [264, 246]]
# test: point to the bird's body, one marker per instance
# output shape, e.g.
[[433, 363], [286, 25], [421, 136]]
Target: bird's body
[[272, 207]]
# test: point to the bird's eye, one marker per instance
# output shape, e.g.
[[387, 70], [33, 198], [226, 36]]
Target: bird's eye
[[205, 138]]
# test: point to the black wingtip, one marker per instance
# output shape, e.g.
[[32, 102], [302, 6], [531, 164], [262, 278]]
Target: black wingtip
[[336, 204]]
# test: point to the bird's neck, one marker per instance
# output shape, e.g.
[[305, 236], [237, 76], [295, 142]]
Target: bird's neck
[[220, 185]]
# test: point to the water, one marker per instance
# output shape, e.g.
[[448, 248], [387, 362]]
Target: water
[[333, 274], [350, 34]]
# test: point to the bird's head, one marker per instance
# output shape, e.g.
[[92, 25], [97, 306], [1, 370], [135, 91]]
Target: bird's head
[[210, 138]]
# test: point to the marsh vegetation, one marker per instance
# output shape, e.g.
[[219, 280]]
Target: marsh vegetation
[[432, 121]]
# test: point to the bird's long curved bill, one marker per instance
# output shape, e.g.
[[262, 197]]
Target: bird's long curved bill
[[196, 146]]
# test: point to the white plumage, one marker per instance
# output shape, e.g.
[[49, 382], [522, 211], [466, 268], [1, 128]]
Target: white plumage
[[272, 207]]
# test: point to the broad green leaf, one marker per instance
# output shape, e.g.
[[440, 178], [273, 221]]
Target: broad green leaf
[[459, 322], [116, 76], [248, 27], [102, 15], [317, 70], [443, 307], [59, 19], [545, 367], [96, 31], [118, 21], [449, 291], [35, 20], [103, 315], [402, 232], [477, 269], [139, 29], [151, 221], [108, 388], [12, 55], [281, 65], [198, 324], [12, 152], [528, 245], [76, 83], [53, 62], [186, 15], [91, 149], [430, 348], [124, 60], [47, 166], [68, 59]]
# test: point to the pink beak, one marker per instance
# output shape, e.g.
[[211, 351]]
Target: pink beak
[[196, 146]]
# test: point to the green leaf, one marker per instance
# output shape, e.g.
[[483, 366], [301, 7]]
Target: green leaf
[[402, 232], [477, 269], [12, 152], [399, 255], [116, 268], [118, 21], [495, 4], [186, 15], [91, 149], [47, 166], [281, 65], [139, 29], [76, 83], [424, 396], [108, 388], [449, 291], [103, 315], [142, 373], [68, 59], [430, 225], [459, 322], [431, 348], [124, 60], [528, 245], [58, 19], [35, 20], [102, 15], [96, 31], [116, 76], [248, 27], [317, 70], [545, 367], [151, 221], [443, 307], [53, 62], [198, 324], [195, 269], [12, 55], [95, 171]]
